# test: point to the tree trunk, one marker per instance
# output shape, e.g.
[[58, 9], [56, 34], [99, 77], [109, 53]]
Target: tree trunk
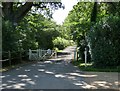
[[94, 13], [15, 16], [7, 10], [22, 11]]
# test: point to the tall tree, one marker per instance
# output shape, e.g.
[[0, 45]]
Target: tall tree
[[14, 12], [94, 13]]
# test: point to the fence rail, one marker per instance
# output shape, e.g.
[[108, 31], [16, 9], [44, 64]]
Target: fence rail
[[10, 56]]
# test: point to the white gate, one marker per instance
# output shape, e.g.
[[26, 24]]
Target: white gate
[[40, 54]]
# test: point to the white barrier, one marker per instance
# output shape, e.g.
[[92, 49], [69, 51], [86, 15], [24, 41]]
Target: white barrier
[[40, 54]]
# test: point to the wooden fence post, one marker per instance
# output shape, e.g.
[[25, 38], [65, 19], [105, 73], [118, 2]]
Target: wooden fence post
[[40, 54], [29, 54], [75, 54], [37, 54], [9, 56], [20, 57], [55, 54]]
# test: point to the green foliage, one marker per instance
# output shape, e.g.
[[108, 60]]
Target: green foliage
[[61, 43], [91, 68], [37, 32], [78, 23], [104, 41], [10, 39]]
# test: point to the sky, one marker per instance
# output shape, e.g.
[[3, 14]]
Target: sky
[[60, 14]]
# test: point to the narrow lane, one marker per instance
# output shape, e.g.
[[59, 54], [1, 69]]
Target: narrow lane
[[45, 75], [58, 74]]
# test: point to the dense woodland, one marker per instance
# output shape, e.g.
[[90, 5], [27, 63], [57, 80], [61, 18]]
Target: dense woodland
[[91, 25]]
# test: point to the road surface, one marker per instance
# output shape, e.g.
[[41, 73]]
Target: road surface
[[44, 75], [51, 74]]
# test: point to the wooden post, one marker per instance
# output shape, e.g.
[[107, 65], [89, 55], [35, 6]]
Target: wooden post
[[37, 54], [29, 54], [40, 54], [9, 56], [75, 54], [20, 57], [85, 57], [55, 54]]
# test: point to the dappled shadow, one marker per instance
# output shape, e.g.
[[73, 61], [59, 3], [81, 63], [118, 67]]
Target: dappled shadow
[[53, 74], [31, 77], [56, 75], [63, 53]]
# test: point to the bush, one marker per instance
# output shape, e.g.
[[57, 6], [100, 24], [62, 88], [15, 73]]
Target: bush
[[60, 43], [82, 54], [104, 42], [9, 37]]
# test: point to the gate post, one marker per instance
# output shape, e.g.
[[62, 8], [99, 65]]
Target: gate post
[[55, 54], [37, 54], [40, 54], [75, 54], [30, 52], [9, 56], [85, 57]]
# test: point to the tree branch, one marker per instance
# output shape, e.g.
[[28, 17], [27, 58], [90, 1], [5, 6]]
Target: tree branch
[[94, 13], [7, 10], [22, 11]]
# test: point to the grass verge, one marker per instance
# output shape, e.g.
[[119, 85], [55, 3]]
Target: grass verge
[[90, 67]]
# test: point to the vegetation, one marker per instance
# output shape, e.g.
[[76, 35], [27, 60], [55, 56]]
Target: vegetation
[[33, 30], [16, 11], [94, 26], [89, 67], [104, 41]]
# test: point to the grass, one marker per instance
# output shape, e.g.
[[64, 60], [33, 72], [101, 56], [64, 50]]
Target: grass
[[59, 50], [90, 67]]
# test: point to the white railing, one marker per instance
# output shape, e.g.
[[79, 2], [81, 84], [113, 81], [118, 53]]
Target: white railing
[[40, 54]]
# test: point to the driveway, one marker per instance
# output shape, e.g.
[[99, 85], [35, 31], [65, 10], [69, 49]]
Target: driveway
[[56, 74]]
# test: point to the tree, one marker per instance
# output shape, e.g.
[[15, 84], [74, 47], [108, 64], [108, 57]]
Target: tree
[[15, 12], [90, 16], [94, 12], [79, 22]]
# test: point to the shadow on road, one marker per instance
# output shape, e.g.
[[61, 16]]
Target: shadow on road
[[50, 75], [53, 74]]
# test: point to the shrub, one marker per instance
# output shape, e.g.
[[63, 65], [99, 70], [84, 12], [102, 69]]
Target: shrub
[[9, 37], [104, 42], [81, 53], [60, 43]]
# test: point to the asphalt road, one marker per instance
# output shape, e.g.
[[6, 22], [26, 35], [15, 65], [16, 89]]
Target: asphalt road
[[50, 74], [57, 74]]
